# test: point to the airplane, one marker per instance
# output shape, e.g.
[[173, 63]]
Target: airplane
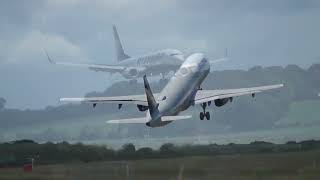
[[182, 91], [156, 63]]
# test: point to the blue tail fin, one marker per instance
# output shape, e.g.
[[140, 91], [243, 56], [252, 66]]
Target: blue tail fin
[[153, 105]]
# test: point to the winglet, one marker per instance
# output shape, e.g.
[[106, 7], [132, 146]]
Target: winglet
[[153, 106], [225, 58], [218, 60], [49, 59]]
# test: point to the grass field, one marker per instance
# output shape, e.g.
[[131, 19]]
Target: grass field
[[280, 166]]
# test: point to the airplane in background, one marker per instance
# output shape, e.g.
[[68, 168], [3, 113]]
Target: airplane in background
[[182, 91], [156, 63]]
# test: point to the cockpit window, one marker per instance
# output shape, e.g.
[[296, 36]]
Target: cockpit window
[[164, 98], [182, 72]]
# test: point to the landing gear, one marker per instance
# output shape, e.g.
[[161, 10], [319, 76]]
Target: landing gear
[[207, 115], [201, 116], [163, 79], [204, 114]]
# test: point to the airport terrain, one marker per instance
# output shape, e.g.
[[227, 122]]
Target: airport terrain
[[292, 165]]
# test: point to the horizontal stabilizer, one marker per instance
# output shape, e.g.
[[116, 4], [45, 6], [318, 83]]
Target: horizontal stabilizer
[[95, 67], [141, 120], [174, 118]]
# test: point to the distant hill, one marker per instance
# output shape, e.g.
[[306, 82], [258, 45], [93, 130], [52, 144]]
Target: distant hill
[[302, 113]]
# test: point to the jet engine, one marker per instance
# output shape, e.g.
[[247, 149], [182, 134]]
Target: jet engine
[[131, 72], [221, 102], [142, 108]]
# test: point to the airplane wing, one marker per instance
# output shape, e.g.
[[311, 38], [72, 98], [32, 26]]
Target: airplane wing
[[133, 99], [95, 67], [203, 96]]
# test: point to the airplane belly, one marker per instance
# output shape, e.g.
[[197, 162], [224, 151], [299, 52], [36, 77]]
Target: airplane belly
[[179, 93]]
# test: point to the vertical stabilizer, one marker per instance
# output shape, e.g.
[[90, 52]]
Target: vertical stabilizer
[[119, 50], [153, 106]]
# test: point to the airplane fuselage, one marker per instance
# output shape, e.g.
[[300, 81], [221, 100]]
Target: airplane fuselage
[[178, 94], [152, 64]]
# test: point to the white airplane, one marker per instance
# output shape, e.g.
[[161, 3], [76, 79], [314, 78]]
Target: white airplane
[[182, 91], [155, 63]]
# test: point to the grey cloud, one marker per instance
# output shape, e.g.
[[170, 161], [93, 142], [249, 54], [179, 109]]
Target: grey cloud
[[266, 32]]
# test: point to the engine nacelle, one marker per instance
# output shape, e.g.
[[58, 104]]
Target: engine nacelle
[[142, 108], [133, 72], [221, 102]]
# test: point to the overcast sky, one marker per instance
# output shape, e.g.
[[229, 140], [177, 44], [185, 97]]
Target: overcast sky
[[265, 32]]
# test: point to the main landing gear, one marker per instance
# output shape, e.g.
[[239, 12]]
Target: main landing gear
[[163, 79], [204, 114]]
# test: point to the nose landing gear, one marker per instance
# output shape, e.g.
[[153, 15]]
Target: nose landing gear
[[204, 114]]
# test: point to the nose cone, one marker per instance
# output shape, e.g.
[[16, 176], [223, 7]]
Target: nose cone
[[193, 60]]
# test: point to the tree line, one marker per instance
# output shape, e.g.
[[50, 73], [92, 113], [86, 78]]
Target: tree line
[[15, 153]]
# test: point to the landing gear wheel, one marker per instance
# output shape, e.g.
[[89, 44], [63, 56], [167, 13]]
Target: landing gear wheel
[[207, 115], [201, 116], [204, 113]]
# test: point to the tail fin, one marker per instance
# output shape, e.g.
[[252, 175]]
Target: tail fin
[[119, 50], [153, 105]]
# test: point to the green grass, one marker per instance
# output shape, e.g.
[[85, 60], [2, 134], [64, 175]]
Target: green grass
[[293, 166]]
